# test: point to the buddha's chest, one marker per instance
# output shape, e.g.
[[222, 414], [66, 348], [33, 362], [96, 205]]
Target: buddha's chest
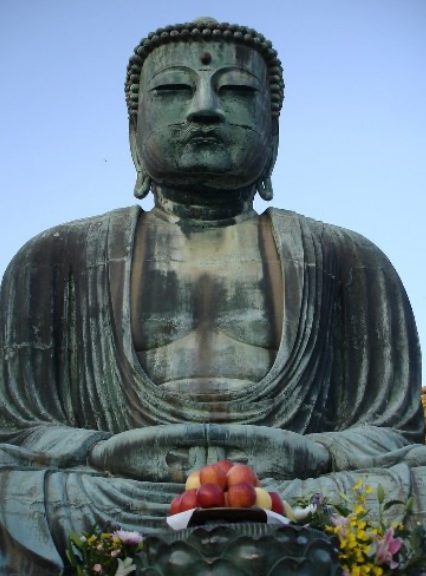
[[204, 296]]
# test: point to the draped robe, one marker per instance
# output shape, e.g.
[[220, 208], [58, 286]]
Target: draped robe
[[347, 374]]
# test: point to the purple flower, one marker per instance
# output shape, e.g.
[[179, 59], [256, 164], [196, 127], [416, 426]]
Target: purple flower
[[317, 498], [386, 548], [128, 537], [341, 522]]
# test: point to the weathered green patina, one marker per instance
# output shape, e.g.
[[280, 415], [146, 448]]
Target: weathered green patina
[[136, 346], [239, 550]]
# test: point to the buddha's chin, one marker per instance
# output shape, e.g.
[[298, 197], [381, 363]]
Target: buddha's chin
[[205, 172], [207, 160]]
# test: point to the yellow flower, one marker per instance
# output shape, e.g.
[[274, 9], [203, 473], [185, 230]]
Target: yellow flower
[[397, 526], [362, 535], [358, 485], [360, 509]]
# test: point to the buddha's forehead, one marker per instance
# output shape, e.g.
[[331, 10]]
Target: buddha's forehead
[[205, 56]]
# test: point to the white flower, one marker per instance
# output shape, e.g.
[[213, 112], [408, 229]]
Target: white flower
[[298, 513], [302, 513], [125, 566], [83, 538], [128, 537]]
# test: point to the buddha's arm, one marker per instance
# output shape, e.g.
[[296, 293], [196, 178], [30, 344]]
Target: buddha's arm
[[36, 378], [376, 373], [46, 486]]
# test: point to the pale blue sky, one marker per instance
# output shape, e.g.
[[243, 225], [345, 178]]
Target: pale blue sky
[[353, 128]]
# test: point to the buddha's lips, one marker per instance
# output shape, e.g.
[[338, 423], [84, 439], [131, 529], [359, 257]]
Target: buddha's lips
[[203, 140], [200, 135]]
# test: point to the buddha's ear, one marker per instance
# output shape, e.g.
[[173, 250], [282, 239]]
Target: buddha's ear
[[143, 181], [264, 184]]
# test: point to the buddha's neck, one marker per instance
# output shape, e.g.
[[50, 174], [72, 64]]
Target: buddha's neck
[[211, 207]]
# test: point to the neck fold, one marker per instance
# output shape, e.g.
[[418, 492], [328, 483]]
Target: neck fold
[[211, 206]]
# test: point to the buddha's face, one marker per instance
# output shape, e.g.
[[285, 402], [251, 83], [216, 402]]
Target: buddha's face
[[204, 116]]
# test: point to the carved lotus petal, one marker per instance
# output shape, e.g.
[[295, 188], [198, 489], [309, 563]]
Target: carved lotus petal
[[247, 555], [221, 567], [212, 539], [293, 567], [179, 559], [322, 557], [239, 550], [149, 572]]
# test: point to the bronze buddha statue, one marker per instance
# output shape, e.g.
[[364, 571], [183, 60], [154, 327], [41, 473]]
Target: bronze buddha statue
[[137, 346]]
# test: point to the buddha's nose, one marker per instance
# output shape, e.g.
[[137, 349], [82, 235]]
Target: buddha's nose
[[205, 106]]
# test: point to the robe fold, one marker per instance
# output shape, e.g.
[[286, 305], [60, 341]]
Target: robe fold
[[347, 374]]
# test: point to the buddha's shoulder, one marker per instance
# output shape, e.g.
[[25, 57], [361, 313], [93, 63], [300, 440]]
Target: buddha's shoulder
[[71, 238], [343, 242]]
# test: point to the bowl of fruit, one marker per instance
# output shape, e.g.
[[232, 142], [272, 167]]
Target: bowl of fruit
[[225, 492]]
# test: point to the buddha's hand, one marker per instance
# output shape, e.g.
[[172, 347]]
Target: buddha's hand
[[157, 453], [272, 452], [170, 452]]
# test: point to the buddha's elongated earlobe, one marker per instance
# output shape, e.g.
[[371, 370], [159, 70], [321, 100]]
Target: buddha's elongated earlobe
[[264, 184], [265, 189], [143, 184], [143, 181]]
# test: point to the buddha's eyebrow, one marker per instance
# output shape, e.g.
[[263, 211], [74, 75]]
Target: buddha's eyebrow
[[236, 69], [179, 68]]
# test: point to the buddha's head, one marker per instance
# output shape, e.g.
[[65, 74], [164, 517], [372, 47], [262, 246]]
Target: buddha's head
[[204, 100]]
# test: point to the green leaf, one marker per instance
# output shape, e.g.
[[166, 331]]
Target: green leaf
[[344, 497], [391, 503], [342, 510], [75, 539], [71, 557], [380, 494], [362, 515], [409, 505]]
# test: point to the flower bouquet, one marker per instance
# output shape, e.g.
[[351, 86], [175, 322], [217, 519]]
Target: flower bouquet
[[107, 551], [366, 545]]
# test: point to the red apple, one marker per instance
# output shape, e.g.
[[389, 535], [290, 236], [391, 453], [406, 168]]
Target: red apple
[[277, 503], [242, 495], [175, 505], [213, 474], [189, 500], [210, 496], [225, 465], [241, 473]]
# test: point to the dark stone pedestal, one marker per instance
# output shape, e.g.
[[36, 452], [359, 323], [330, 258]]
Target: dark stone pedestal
[[239, 550]]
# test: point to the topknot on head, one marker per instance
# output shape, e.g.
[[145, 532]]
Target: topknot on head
[[204, 29], [205, 21]]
